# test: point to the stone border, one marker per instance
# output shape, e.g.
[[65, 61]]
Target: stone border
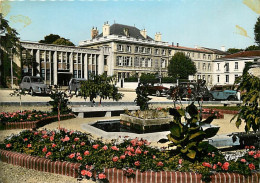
[[35, 124], [224, 111], [117, 175], [219, 116]]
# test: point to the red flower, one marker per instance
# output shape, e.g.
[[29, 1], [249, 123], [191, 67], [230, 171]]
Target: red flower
[[101, 176], [25, 139], [122, 157], [79, 158], [44, 149], [8, 145], [104, 147], [48, 154], [180, 161], [51, 138], [160, 163], [115, 159], [82, 143], [130, 149], [35, 133], [243, 160], [53, 145], [140, 143], [115, 148], [146, 152], [213, 155], [86, 153], [29, 145], [206, 164], [89, 174], [83, 172], [214, 167], [252, 147], [137, 163], [154, 156], [65, 139], [72, 155], [219, 164], [251, 153], [95, 146], [138, 151], [133, 142], [76, 139], [246, 147], [251, 166], [128, 153], [45, 136], [225, 166]]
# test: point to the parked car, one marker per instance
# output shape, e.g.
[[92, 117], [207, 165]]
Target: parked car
[[74, 85], [191, 91], [157, 89], [224, 92], [34, 84]]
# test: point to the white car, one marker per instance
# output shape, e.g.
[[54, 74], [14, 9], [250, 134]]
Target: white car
[[34, 84]]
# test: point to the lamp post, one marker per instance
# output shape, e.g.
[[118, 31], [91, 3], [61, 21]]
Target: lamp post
[[160, 76], [12, 74]]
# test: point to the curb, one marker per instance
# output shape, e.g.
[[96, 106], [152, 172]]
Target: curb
[[117, 175]]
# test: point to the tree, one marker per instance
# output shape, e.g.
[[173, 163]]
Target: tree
[[56, 39], [102, 86], [257, 31], [9, 46], [181, 66], [148, 78], [142, 98], [252, 47], [234, 50]]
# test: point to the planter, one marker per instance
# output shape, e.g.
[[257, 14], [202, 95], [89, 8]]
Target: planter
[[224, 111], [218, 116], [117, 175]]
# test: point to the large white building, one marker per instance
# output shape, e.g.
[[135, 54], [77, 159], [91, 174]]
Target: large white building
[[228, 68]]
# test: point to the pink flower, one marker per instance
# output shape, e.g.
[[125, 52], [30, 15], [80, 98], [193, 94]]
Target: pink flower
[[76, 139], [206, 164], [65, 139], [115, 148], [251, 153], [51, 138], [89, 174], [146, 152], [48, 154], [180, 161], [83, 172], [243, 160], [219, 164], [25, 139], [160, 163], [133, 142], [105, 147], [79, 158], [8, 145], [251, 166], [29, 145], [225, 166], [122, 157], [154, 156], [140, 143], [78, 154], [35, 133], [45, 136], [72, 155], [86, 153], [44, 149], [101, 176], [138, 151], [252, 147], [213, 155], [214, 167], [95, 146], [137, 163], [128, 153], [53, 145], [246, 147], [82, 143], [130, 149], [115, 159]]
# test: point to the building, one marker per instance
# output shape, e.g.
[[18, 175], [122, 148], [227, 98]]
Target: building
[[228, 68], [57, 64], [202, 58], [133, 52]]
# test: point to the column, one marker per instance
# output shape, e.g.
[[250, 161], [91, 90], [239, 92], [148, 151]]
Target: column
[[71, 62], [85, 66], [37, 61], [101, 61], [45, 67], [81, 67], [55, 68]]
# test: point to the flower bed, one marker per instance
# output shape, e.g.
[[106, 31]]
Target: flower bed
[[212, 112], [130, 157], [224, 111], [28, 119]]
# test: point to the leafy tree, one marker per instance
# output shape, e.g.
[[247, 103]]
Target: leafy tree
[[250, 95], [9, 45], [56, 39], [252, 47], [234, 50], [142, 98], [181, 66], [148, 78], [257, 31], [102, 86]]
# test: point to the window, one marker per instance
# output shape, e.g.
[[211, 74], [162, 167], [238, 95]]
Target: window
[[163, 63], [136, 49], [149, 62], [192, 54], [79, 73], [48, 74], [218, 78], [227, 78], [218, 65], [198, 55], [79, 58], [143, 62], [143, 50], [203, 77], [209, 57], [198, 65], [75, 73], [236, 65], [156, 51], [163, 52], [204, 66], [119, 47], [119, 61], [136, 62], [149, 50], [43, 73], [227, 67], [188, 54], [204, 56], [128, 48], [236, 76], [105, 60], [209, 67]]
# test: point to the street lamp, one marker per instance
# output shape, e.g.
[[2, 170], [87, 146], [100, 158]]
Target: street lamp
[[12, 75]]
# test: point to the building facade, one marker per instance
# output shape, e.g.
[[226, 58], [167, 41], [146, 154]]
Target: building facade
[[57, 64], [133, 52], [228, 68]]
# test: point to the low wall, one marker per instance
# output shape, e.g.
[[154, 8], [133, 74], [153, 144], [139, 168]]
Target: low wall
[[133, 85], [223, 111], [116, 175]]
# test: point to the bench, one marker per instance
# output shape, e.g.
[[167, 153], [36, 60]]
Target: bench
[[82, 110]]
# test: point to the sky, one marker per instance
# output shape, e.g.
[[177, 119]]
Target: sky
[[203, 23]]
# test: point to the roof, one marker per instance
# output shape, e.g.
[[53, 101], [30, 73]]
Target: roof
[[216, 51], [244, 54], [191, 49], [118, 29]]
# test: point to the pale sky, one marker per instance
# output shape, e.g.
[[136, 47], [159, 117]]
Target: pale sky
[[206, 23]]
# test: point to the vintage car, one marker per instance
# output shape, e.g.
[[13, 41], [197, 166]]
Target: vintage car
[[157, 89], [74, 85], [34, 84], [224, 92]]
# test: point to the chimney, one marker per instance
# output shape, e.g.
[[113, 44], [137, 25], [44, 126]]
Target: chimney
[[177, 44], [143, 33], [106, 29], [223, 48], [172, 43], [196, 46], [158, 36], [94, 33]]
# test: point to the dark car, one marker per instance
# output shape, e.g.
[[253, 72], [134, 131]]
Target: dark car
[[34, 84], [224, 92], [191, 91], [74, 85], [157, 89]]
